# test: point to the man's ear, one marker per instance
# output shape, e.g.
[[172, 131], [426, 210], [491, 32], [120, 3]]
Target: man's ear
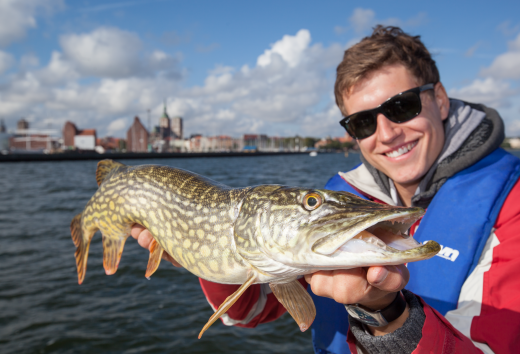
[[442, 100]]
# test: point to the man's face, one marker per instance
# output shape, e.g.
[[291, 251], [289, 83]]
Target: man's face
[[404, 152]]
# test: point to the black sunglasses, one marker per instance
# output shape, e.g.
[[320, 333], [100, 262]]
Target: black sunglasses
[[399, 109]]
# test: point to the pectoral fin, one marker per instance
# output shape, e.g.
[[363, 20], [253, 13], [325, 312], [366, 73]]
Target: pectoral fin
[[229, 302], [156, 252], [297, 301]]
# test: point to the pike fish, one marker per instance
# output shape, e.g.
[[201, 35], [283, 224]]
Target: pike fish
[[262, 234]]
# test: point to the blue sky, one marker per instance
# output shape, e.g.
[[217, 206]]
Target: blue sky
[[233, 67]]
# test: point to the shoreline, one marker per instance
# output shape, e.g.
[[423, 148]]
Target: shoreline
[[132, 155]]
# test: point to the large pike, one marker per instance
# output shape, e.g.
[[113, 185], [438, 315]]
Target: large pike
[[263, 234]]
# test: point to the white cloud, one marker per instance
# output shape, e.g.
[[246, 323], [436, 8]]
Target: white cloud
[[508, 29], [17, 16], [289, 48], [274, 97], [507, 65], [111, 52], [363, 20], [118, 127], [489, 91], [6, 61]]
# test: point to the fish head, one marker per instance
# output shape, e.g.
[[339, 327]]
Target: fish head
[[318, 229]]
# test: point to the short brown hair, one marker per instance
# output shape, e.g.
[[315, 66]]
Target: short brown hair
[[386, 46]]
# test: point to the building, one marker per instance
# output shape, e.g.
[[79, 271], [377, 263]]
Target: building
[[165, 125], [22, 124], [69, 132], [111, 144], [29, 140], [341, 140], [137, 137], [177, 132], [2, 127], [73, 138], [85, 139], [260, 141]]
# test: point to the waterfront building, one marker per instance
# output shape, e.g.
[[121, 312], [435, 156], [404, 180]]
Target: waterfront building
[[22, 124], [165, 125], [137, 137], [74, 138], [177, 132], [27, 140]]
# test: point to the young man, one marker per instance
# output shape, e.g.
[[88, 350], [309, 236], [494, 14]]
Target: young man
[[418, 148]]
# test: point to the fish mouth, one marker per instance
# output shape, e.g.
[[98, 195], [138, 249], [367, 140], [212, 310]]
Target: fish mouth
[[385, 236]]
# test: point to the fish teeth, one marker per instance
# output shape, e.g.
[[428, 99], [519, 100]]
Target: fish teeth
[[402, 150]]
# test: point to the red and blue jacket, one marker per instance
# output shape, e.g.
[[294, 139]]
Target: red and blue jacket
[[470, 291]]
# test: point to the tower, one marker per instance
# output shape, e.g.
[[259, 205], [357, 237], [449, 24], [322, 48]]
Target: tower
[[164, 124]]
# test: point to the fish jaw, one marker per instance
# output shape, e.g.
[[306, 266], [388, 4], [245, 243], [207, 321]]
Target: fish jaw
[[344, 232], [381, 240]]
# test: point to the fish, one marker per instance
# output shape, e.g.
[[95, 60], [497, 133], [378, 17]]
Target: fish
[[252, 235]]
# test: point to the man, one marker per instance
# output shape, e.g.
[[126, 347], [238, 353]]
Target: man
[[419, 148]]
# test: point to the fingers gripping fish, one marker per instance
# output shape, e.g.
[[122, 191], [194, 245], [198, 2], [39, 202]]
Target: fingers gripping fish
[[263, 234]]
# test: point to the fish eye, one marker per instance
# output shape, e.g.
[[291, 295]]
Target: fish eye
[[312, 201]]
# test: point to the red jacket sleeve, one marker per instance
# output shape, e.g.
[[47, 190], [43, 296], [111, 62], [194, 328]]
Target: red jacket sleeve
[[257, 305]]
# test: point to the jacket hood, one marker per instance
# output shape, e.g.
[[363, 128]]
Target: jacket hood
[[471, 131]]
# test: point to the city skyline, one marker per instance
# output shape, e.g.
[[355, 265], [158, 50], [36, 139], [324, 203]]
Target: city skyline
[[231, 67]]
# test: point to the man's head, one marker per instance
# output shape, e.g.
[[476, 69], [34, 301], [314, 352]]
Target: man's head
[[382, 66]]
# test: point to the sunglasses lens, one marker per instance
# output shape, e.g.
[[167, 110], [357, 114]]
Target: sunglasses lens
[[362, 125], [402, 108]]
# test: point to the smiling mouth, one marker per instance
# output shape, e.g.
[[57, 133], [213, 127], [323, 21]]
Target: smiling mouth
[[402, 150]]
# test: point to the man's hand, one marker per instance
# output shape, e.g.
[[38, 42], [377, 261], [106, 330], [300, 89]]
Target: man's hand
[[373, 287], [144, 238]]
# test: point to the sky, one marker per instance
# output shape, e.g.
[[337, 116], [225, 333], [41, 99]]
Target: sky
[[233, 67]]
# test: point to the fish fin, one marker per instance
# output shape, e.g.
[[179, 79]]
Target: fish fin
[[156, 252], [230, 300], [81, 239], [104, 167], [112, 249], [297, 301]]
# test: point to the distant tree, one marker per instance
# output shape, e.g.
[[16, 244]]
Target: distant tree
[[309, 142]]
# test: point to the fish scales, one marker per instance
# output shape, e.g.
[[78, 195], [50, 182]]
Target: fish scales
[[263, 234], [204, 213]]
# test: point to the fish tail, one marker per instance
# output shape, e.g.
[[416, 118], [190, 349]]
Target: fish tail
[[82, 244], [104, 168]]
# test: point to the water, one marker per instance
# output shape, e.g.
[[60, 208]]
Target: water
[[44, 310]]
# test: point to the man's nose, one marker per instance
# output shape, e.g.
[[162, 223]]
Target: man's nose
[[387, 130]]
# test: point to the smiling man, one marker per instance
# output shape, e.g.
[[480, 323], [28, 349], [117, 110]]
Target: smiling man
[[419, 148]]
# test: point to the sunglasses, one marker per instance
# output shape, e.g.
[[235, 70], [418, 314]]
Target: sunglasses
[[399, 109]]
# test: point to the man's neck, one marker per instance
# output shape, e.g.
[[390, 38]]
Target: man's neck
[[406, 192]]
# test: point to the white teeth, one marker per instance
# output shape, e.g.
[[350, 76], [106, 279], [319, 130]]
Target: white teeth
[[401, 150]]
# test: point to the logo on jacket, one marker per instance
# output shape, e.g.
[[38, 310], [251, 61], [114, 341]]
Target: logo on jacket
[[447, 253]]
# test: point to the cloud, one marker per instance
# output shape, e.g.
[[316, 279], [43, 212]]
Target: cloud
[[471, 51], [289, 48], [508, 29], [17, 16], [507, 65], [111, 52], [363, 20], [6, 61], [118, 127], [83, 84], [489, 91]]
